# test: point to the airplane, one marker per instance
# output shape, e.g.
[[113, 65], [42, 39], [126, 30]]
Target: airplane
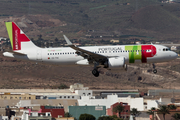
[[109, 57]]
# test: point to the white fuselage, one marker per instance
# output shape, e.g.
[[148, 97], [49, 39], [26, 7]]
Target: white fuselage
[[66, 55]]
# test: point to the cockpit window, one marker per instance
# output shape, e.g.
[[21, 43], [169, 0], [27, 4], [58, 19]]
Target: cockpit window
[[166, 49]]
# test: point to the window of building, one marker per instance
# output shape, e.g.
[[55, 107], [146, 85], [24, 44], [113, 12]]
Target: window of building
[[72, 96], [19, 97], [11, 97], [68, 96], [64, 96], [60, 96], [29, 97]]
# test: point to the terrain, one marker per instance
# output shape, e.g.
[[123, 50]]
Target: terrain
[[24, 74], [149, 20], [152, 19]]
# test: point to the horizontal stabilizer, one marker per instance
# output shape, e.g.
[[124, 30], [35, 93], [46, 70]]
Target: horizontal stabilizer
[[15, 53]]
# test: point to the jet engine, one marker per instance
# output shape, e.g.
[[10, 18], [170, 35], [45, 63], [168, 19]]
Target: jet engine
[[83, 62], [116, 62]]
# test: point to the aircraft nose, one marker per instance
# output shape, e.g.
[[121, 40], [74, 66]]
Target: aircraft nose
[[174, 55]]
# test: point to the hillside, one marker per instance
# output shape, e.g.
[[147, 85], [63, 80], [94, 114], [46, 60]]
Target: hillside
[[150, 19], [52, 18]]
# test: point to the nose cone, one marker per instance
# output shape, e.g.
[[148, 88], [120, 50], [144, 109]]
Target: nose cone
[[174, 55]]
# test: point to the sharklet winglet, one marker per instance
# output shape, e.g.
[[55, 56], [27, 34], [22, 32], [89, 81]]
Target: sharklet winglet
[[67, 40]]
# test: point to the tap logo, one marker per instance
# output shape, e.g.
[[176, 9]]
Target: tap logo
[[16, 35]]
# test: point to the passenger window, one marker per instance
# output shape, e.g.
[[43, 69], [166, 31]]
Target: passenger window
[[164, 49]]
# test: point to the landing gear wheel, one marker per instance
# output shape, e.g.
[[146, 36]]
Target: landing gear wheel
[[95, 72], [154, 71]]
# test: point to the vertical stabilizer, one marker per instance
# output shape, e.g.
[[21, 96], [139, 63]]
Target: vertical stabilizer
[[19, 41]]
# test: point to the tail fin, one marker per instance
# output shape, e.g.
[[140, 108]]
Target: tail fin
[[19, 41]]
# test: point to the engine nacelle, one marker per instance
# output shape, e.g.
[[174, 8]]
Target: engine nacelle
[[83, 62], [116, 62]]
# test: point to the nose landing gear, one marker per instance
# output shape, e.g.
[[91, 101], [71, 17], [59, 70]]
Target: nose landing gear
[[154, 69]]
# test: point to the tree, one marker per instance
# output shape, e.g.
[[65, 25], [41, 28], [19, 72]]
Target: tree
[[105, 118], [135, 113], [56, 39], [63, 86], [40, 37], [172, 107], [114, 117], [86, 117], [151, 112], [163, 110], [67, 114], [118, 109], [176, 116]]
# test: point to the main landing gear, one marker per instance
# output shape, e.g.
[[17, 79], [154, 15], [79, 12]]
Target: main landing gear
[[95, 72], [154, 70]]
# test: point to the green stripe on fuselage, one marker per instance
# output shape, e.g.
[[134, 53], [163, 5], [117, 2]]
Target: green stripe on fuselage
[[9, 29], [134, 52]]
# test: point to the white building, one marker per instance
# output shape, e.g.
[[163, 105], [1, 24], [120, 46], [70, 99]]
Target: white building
[[137, 103], [84, 92], [156, 103], [28, 113], [4, 118], [26, 103], [90, 101]]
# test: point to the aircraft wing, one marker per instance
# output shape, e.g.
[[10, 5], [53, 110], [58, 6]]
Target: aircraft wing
[[85, 53]]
